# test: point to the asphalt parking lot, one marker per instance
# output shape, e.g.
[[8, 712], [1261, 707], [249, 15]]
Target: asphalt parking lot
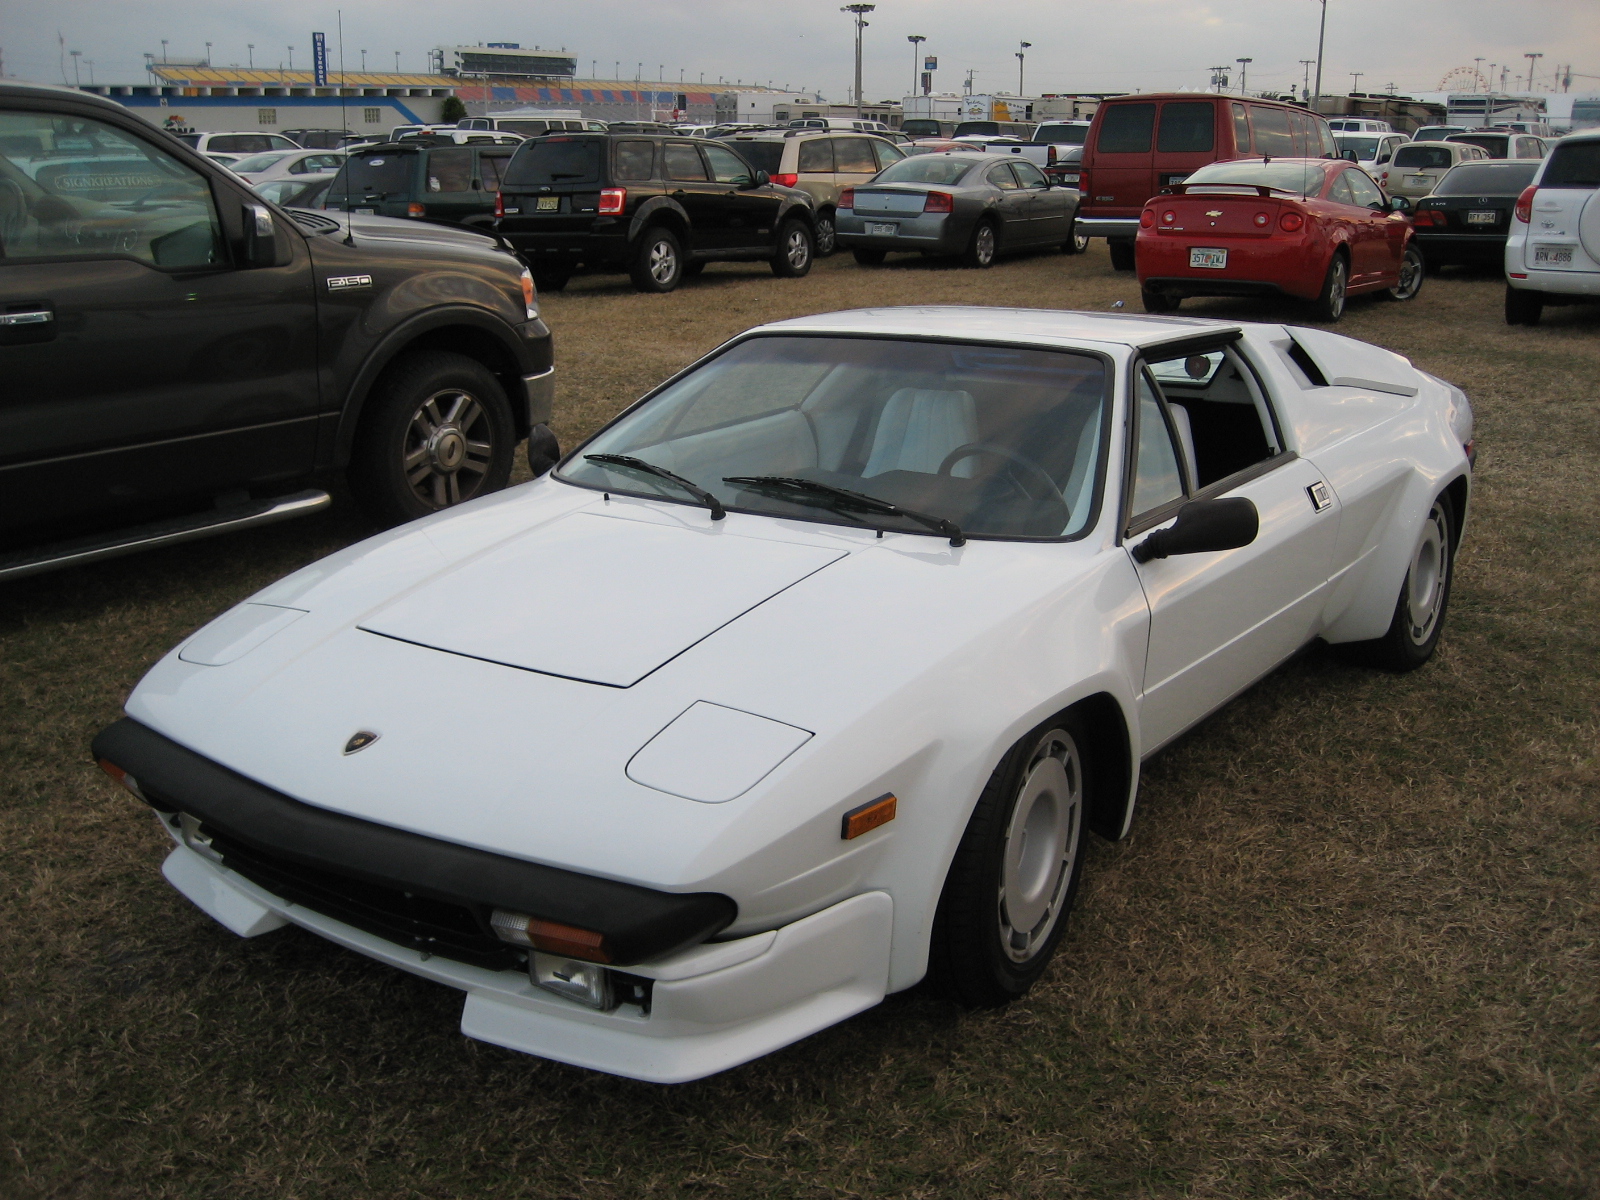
[[1350, 949]]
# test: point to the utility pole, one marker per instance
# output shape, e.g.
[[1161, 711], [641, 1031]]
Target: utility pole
[[1305, 86], [1355, 81], [1477, 74], [971, 71], [397, 62], [251, 47], [859, 12], [1532, 62], [1322, 37], [916, 40], [1021, 54], [76, 55], [1219, 78], [1244, 64]]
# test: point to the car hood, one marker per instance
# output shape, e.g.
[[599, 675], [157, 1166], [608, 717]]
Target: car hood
[[397, 229]]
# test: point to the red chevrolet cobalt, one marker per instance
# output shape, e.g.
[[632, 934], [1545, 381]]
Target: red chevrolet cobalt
[[1314, 229]]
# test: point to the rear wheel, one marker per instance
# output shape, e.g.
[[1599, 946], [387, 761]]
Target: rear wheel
[[657, 261], [827, 240], [1523, 307], [1329, 306], [1076, 244], [1014, 876], [871, 258], [983, 247], [436, 430], [1411, 275], [1159, 302], [1121, 253], [793, 259], [1419, 613]]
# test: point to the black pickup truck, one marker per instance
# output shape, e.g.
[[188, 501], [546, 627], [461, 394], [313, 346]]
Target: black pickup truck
[[179, 357]]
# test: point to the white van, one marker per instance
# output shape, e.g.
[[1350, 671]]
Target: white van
[[530, 126], [1358, 125]]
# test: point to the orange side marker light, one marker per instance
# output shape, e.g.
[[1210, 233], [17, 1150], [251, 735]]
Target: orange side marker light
[[868, 816]]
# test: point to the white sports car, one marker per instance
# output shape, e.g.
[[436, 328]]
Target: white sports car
[[803, 679]]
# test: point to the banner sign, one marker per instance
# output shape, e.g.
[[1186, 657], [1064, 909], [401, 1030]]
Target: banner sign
[[319, 59]]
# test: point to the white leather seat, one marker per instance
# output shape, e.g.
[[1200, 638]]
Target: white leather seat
[[918, 429]]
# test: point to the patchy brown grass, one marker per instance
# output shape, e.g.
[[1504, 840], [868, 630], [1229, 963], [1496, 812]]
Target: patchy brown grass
[[1349, 950]]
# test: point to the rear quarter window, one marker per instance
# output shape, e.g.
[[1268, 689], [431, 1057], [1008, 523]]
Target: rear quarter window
[[555, 162], [636, 159], [1273, 136], [450, 170], [1187, 127], [1575, 165], [816, 156], [1126, 129]]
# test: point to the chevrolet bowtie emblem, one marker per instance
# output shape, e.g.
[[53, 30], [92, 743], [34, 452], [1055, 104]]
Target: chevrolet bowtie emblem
[[360, 740], [1215, 212]]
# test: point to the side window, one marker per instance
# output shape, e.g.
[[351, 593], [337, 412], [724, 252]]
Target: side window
[[1156, 479], [1366, 192], [635, 160], [1272, 131], [1187, 127], [726, 166], [1330, 148], [77, 188], [1340, 192], [450, 170], [887, 153], [1029, 174], [1000, 176], [1126, 129], [683, 162], [490, 168], [1241, 129], [853, 156], [816, 156]]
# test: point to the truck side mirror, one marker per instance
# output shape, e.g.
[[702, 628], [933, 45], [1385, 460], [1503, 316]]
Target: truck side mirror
[[1350, 156], [260, 236], [1203, 526]]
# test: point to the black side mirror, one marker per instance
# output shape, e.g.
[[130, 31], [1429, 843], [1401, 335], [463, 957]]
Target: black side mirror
[[260, 236], [1400, 204], [761, 179], [1203, 526]]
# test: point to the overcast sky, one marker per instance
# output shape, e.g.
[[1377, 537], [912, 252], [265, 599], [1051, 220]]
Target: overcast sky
[[1081, 46]]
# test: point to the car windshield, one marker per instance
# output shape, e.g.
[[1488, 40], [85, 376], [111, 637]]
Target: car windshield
[[1071, 135], [1487, 179], [555, 162], [1423, 157], [1574, 165], [926, 169], [1302, 178], [1365, 147], [259, 162], [999, 440]]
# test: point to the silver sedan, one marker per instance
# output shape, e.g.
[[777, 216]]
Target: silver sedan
[[956, 204]]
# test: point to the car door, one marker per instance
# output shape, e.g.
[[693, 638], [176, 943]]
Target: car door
[[1049, 208], [1383, 232], [752, 211], [1220, 621], [140, 363], [1011, 205], [689, 182]]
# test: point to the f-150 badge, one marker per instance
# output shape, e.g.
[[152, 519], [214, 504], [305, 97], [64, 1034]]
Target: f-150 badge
[[343, 283]]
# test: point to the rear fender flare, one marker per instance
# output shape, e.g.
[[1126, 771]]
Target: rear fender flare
[[660, 210]]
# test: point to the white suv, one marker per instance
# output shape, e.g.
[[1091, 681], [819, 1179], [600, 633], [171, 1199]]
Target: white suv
[[1553, 251]]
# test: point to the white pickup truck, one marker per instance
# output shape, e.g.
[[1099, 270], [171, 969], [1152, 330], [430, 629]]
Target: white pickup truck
[[1056, 148]]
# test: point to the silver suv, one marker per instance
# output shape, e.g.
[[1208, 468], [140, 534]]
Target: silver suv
[[819, 162]]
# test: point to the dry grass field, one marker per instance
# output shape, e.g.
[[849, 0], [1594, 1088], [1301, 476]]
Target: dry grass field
[[1352, 948]]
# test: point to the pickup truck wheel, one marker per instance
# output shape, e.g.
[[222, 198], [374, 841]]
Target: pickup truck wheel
[[827, 236], [871, 258], [1523, 307], [1012, 881], [436, 430], [1121, 253], [983, 247], [657, 261], [793, 259]]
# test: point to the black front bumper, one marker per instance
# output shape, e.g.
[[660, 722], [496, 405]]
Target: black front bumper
[[403, 886]]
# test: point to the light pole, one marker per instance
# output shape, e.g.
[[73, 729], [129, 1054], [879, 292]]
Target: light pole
[[1477, 73], [76, 54], [363, 62], [916, 40], [1244, 64], [208, 54], [397, 62], [89, 62], [163, 49], [1531, 64], [1322, 36], [1021, 49], [1305, 86], [291, 58], [1355, 81], [859, 12], [251, 48]]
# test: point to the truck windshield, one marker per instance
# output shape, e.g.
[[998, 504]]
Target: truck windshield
[[555, 162]]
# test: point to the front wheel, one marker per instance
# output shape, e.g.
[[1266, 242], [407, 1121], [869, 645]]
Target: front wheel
[[1329, 306], [983, 247], [795, 247], [1419, 612], [1014, 876], [1523, 307], [1411, 274], [1159, 302], [436, 430], [1076, 244], [657, 261]]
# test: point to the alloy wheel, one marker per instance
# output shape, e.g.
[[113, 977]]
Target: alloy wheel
[[826, 236], [983, 244], [448, 448], [796, 249], [663, 261]]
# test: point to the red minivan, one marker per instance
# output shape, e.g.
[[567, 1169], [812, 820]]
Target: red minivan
[[1140, 144]]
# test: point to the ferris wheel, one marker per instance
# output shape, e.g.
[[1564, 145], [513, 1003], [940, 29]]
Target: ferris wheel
[[1464, 79]]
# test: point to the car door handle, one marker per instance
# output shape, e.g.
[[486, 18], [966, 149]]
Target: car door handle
[[36, 317]]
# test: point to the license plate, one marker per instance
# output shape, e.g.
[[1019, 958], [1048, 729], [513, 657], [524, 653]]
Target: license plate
[[1174, 180], [548, 204], [882, 230], [1072, 179], [366, 212], [1552, 256], [1207, 258], [1482, 218], [1418, 181]]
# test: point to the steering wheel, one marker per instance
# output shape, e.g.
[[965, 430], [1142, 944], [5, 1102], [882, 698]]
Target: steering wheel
[[1048, 492]]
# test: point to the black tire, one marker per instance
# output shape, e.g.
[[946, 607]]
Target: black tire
[[977, 956], [1329, 305], [1523, 307], [1419, 613], [657, 264], [1159, 302], [552, 281], [795, 251], [1121, 253], [436, 430], [1412, 273], [826, 241], [984, 246], [1076, 244], [871, 258], [694, 269], [544, 451]]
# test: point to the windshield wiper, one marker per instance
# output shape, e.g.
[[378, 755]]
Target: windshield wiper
[[805, 490], [648, 468]]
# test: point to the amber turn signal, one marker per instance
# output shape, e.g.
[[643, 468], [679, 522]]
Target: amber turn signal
[[550, 936], [868, 817]]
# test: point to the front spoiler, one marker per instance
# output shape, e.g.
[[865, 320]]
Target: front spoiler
[[712, 1006]]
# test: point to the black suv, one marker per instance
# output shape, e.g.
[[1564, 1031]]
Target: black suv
[[181, 357], [424, 178], [657, 207]]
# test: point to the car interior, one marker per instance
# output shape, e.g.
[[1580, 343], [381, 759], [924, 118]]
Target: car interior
[[1221, 418]]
